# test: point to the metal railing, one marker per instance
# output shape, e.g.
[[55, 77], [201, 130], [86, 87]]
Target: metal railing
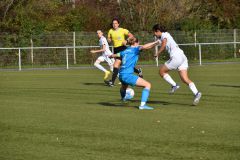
[[19, 49]]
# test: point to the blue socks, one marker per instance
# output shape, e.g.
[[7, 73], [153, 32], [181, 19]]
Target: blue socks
[[145, 94]]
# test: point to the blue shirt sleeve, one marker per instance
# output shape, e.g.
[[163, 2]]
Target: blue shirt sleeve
[[137, 51], [121, 54]]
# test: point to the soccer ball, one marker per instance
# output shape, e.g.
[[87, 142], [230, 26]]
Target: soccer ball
[[129, 93]]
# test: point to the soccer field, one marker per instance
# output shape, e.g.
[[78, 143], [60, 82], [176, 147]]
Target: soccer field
[[72, 115]]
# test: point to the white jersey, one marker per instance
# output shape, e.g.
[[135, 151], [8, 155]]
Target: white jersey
[[103, 41], [177, 60], [171, 44]]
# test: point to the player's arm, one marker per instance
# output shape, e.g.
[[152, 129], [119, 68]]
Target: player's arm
[[162, 48], [100, 50], [115, 55], [149, 45], [109, 38], [129, 35]]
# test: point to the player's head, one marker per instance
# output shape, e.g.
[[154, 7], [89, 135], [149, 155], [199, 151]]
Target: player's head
[[158, 29], [115, 23], [133, 41], [99, 33]]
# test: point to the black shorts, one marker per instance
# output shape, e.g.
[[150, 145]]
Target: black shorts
[[119, 49]]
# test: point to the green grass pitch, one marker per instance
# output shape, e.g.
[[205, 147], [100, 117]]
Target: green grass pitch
[[72, 115]]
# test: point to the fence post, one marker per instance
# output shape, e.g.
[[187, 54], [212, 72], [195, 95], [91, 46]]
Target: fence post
[[200, 54], [31, 50], [74, 47], [67, 57], [195, 38], [19, 60], [234, 40], [156, 51]]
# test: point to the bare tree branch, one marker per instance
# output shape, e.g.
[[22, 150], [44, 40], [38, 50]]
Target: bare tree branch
[[7, 8]]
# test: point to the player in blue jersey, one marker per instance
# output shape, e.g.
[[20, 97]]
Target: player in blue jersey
[[126, 72]]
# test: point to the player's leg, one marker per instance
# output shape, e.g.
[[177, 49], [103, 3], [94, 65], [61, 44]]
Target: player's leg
[[184, 77], [183, 72], [99, 66], [145, 92], [112, 60], [116, 66], [98, 62], [123, 91], [163, 72]]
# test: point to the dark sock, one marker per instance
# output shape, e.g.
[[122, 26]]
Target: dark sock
[[136, 70], [115, 73], [122, 92]]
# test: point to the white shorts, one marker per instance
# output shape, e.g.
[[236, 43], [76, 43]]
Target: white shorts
[[178, 60], [110, 61]]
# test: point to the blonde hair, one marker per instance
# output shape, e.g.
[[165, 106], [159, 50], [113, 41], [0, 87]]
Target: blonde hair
[[132, 40]]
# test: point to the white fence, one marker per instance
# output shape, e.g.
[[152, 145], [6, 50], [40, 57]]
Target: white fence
[[197, 45], [66, 48]]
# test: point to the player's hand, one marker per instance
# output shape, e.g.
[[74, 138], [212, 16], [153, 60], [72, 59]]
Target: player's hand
[[155, 55], [124, 42], [92, 51]]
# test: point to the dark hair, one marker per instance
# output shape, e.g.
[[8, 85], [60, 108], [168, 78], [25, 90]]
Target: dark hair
[[115, 19], [158, 27]]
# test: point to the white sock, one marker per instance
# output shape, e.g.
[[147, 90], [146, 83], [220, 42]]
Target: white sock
[[99, 66], [168, 78], [142, 103], [193, 88], [111, 68]]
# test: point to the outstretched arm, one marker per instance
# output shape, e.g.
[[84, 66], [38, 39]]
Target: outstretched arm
[[162, 48], [114, 55], [149, 45], [100, 50]]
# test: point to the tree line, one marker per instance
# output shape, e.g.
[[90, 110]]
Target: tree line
[[27, 17]]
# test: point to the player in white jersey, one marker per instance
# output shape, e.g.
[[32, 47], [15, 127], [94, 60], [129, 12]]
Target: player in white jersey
[[105, 55], [178, 61]]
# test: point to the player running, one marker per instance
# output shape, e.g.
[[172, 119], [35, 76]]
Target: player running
[[117, 35], [177, 60], [105, 55], [126, 73]]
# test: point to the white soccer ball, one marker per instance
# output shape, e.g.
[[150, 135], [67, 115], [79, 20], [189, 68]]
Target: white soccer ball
[[129, 93]]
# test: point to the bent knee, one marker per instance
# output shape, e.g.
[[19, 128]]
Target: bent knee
[[148, 85], [96, 63], [162, 72]]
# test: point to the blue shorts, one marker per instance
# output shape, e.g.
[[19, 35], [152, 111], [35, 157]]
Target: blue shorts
[[128, 79]]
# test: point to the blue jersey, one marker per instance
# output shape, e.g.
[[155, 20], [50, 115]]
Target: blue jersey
[[129, 59]]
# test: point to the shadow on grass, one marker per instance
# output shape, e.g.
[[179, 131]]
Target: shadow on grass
[[115, 104], [132, 103], [112, 104], [164, 103], [225, 85], [95, 84]]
